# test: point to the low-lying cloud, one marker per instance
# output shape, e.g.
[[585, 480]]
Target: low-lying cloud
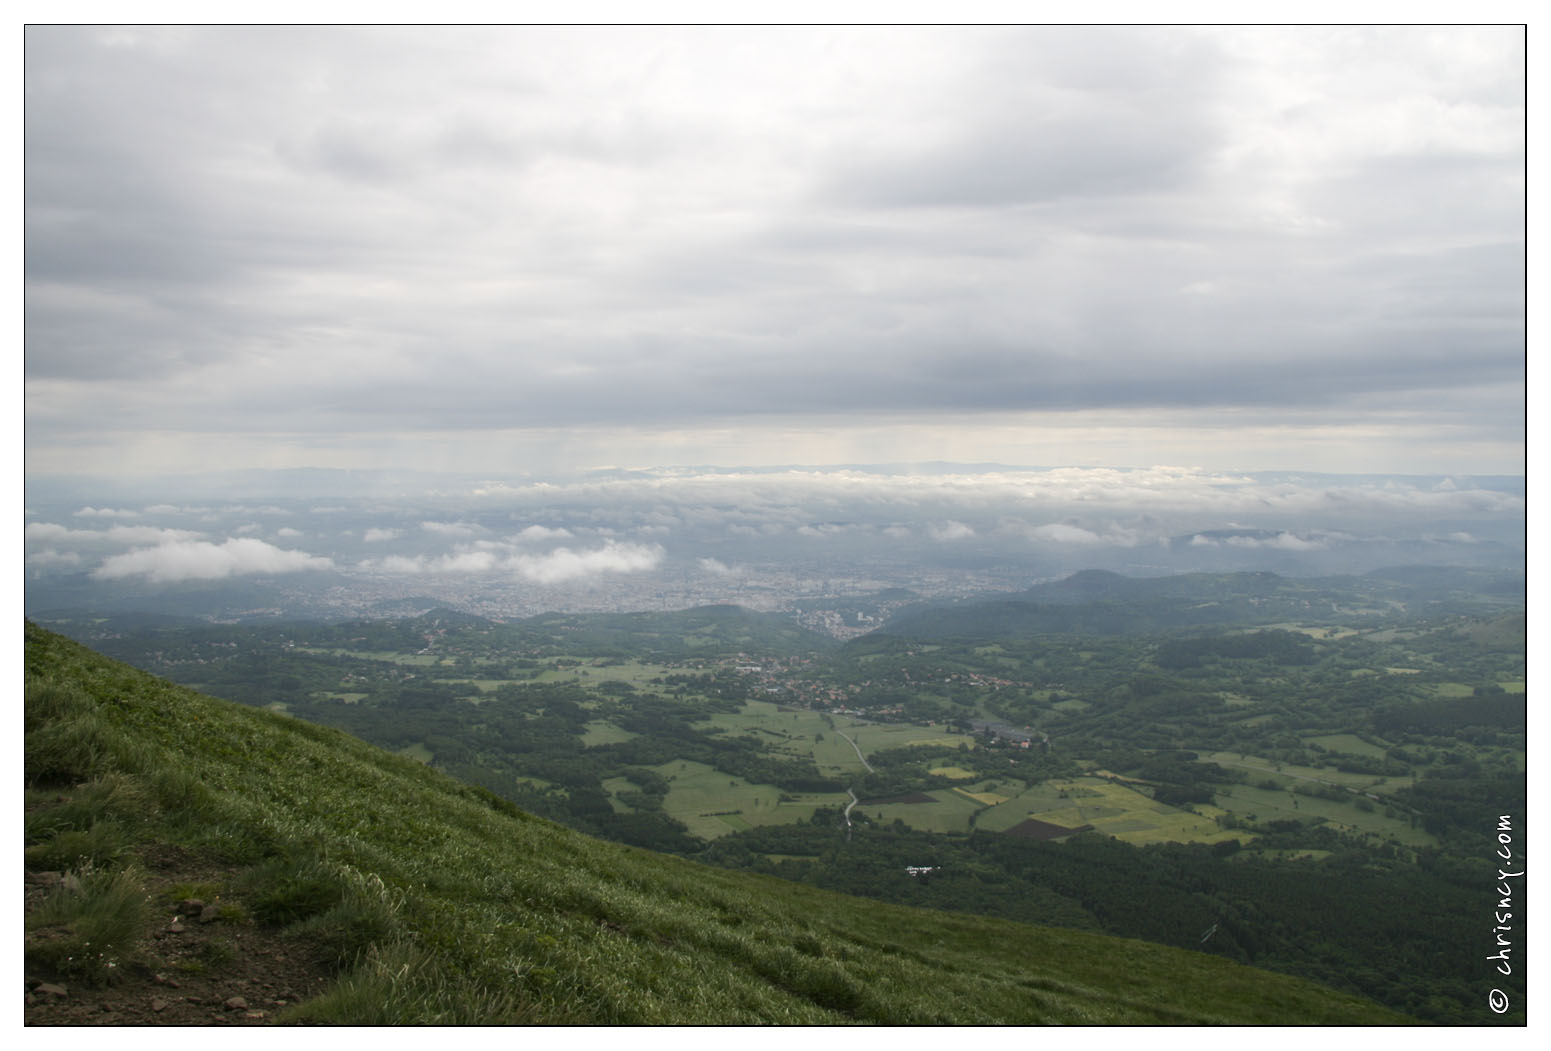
[[763, 500], [453, 529], [950, 531], [106, 512], [554, 567], [562, 564], [50, 557], [52, 532], [1067, 533], [201, 560], [1285, 541], [540, 534]]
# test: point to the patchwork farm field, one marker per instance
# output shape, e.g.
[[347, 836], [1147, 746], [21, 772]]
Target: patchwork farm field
[[710, 803], [1125, 813], [824, 737], [948, 812], [1346, 743], [1263, 768], [1113, 809], [875, 737], [1264, 804]]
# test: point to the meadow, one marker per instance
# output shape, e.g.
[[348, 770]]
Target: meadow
[[711, 804]]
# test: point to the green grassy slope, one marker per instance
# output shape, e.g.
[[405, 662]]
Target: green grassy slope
[[444, 904]]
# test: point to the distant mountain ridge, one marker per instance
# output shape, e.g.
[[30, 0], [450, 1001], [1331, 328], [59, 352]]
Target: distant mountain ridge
[[1102, 602]]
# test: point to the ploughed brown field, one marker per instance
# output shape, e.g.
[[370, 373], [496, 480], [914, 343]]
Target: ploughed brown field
[[1032, 829]]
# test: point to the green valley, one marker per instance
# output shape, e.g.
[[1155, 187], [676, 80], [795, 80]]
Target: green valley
[[1241, 765], [417, 899]]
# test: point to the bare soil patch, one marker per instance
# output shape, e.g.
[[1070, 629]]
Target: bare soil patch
[[181, 972]]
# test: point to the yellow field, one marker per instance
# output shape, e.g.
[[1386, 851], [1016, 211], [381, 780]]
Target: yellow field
[[1130, 816], [956, 773], [1108, 775], [1112, 809]]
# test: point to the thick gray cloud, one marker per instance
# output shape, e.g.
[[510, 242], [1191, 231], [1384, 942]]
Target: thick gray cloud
[[469, 248], [1044, 115]]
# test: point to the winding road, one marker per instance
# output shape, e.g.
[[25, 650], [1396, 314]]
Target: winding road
[[852, 742]]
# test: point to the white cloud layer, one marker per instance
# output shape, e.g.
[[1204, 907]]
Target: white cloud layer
[[562, 565], [769, 502], [50, 557], [106, 512], [452, 529], [950, 531], [1066, 533], [201, 560], [645, 538], [120, 535], [539, 534]]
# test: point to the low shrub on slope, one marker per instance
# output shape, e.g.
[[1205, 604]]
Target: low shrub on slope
[[435, 902]]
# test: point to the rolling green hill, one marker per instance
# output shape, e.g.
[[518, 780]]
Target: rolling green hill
[[428, 901]]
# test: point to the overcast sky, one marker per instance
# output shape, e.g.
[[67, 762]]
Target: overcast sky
[[522, 251]]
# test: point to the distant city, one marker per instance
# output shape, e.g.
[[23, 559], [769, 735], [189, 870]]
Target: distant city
[[840, 549]]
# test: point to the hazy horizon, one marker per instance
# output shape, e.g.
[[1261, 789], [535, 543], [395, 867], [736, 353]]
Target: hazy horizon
[[332, 543]]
